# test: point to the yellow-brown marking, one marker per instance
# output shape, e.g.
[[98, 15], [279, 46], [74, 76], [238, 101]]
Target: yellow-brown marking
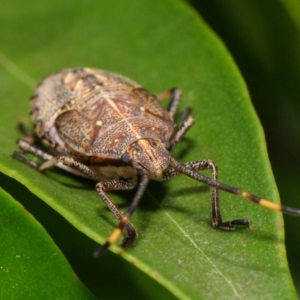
[[263, 202], [114, 236], [270, 205], [117, 232]]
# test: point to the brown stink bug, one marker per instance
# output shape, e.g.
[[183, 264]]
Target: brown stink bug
[[108, 128]]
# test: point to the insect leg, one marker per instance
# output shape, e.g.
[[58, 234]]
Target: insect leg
[[122, 223], [175, 95], [28, 134], [186, 123], [64, 162], [117, 184], [28, 147], [216, 219], [101, 187]]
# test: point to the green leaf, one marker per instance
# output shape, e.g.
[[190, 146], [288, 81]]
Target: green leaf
[[159, 44], [30, 259]]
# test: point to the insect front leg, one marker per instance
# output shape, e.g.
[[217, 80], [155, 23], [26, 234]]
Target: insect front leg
[[144, 179], [117, 184], [216, 218], [70, 162]]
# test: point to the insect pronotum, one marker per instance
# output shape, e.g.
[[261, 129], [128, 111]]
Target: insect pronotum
[[108, 128]]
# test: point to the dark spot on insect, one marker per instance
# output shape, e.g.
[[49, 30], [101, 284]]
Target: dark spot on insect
[[35, 110], [91, 82], [152, 142], [43, 137], [78, 72], [89, 79], [39, 123], [125, 158], [168, 145], [137, 148], [34, 96]]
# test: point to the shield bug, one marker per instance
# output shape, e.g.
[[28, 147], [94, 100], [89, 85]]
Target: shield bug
[[108, 128]]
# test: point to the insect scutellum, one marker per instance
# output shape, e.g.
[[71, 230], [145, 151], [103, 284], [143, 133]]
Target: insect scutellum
[[108, 128]]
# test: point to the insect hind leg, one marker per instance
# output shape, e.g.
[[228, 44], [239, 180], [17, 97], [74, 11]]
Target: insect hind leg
[[26, 146], [66, 163]]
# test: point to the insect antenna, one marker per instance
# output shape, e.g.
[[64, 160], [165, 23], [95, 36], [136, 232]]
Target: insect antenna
[[189, 171]]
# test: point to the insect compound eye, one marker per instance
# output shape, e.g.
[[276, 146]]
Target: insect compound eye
[[167, 145], [125, 158]]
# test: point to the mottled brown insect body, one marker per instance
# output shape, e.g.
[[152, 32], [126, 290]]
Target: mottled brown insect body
[[107, 127], [95, 115]]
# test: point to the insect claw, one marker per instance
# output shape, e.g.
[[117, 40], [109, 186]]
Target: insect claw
[[101, 250], [226, 226], [127, 242], [231, 225], [241, 222]]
